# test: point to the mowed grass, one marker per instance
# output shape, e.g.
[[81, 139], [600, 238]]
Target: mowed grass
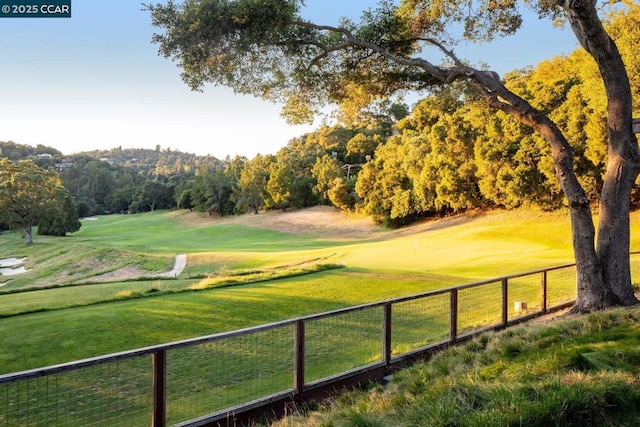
[[90, 320], [51, 337], [164, 232]]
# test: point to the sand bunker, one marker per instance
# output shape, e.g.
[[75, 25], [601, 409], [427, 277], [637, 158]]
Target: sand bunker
[[12, 271], [12, 266], [11, 262], [129, 272]]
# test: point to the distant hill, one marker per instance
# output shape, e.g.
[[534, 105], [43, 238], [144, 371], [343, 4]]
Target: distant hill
[[146, 161], [157, 161], [120, 180], [15, 152]]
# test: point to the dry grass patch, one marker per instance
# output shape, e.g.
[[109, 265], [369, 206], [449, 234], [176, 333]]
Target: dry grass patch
[[322, 221], [125, 293]]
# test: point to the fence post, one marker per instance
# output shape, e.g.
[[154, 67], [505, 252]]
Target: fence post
[[543, 285], [505, 301], [386, 334], [453, 316], [298, 366], [159, 388]]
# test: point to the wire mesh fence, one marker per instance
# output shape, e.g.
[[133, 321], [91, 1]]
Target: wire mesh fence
[[207, 378], [114, 393], [561, 285], [634, 260], [342, 342], [420, 322], [524, 295], [479, 307], [211, 376]]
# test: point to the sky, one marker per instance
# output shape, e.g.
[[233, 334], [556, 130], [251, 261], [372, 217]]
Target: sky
[[95, 81]]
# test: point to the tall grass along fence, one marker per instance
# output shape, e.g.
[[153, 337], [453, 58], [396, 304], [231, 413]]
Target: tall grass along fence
[[225, 378]]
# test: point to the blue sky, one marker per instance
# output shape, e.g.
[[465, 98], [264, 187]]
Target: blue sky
[[96, 81]]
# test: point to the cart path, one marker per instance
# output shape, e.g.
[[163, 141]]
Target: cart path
[[178, 267]]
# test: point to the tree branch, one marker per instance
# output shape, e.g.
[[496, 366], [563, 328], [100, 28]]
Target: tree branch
[[352, 40]]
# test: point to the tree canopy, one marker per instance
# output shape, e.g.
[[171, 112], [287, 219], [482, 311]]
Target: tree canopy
[[266, 49], [29, 194]]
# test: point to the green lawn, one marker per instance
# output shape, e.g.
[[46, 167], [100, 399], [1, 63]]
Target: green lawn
[[81, 332], [98, 318], [155, 233]]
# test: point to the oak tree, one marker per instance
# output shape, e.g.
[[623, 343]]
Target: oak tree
[[250, 192], [29, 194], [62, 217], [265, 48]]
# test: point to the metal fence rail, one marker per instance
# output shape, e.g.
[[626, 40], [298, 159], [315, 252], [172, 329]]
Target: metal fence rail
[[212, 380]]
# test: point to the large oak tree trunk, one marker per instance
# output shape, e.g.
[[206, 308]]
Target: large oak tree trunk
[[592, 292], [613, 230], [612, 250]]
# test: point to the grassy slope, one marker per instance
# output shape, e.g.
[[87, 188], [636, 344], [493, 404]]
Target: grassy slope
[[577, 371], [382, 265], [485, 246]]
